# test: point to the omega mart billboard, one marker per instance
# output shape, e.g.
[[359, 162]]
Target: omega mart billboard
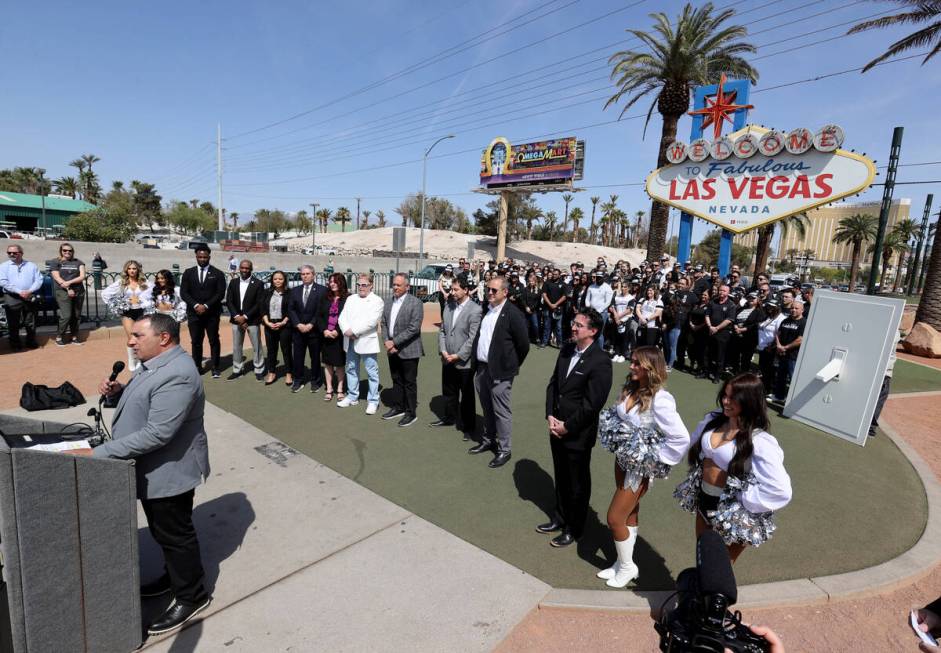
[[756, 176], [541, 162]]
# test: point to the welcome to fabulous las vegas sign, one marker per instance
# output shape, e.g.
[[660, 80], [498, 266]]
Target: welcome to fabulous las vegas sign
[[755, 176]]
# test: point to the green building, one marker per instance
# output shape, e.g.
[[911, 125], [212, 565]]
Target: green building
[[22, 212]]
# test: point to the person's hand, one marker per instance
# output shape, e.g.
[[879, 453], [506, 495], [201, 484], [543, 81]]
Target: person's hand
[[71, 292], [349, 334], [326, 333], [775, 645], [781, 350], [108, 387], [200, 309], [26, 294], [390, 345], [393, 350], [928, 621], [452, 358], [84, 451]]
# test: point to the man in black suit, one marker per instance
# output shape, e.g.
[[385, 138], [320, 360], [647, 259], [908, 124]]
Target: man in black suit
[[243, 299], [303, 308], [203, 289], [576, 393], [500, 348]]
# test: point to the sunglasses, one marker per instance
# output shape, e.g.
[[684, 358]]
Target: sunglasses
[[493, 291], [12, 253], [68, 251], [363, 285]]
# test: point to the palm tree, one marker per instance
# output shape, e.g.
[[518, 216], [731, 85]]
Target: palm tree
[[89, 160], [639, 216], [380, 218], [799, 222], [594, 205], [577, 215], [923, 11], [323, 216], [929, 307], [891, 245], [342, 216], [907, 230], [567, 198], [66, 186], [235, 220], [550, 217], [365, 222], [607, 219], [697, 50], [856, 229]]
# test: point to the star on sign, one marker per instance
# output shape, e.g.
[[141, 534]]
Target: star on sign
[[718, 107]]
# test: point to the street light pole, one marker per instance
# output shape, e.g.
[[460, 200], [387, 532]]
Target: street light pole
[[42, 194], [424, 178], [314, 225]]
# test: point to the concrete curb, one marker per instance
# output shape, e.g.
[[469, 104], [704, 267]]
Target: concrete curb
[[905, 569]]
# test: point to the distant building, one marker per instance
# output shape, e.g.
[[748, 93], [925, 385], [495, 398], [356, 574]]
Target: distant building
[[824, 222], [22, 212]]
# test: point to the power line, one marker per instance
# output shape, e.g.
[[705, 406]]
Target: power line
[[572, 129], [542, 67], [408, 70], [294, 154]]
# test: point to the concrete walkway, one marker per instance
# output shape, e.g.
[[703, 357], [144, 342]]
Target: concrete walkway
[[303, 559]]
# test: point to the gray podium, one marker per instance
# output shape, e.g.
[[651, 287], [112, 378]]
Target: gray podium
[[68, 539]]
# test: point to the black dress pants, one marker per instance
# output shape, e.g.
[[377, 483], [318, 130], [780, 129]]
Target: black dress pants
[[307, 343], [682, 344], [700, 343], [206, 325], [457, 386], [572, 469], [20, 313], [718, 347], [279, 339], [404, 372], [170, 521]]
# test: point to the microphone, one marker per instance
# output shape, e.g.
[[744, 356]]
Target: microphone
[[116, 369], [714, 567]]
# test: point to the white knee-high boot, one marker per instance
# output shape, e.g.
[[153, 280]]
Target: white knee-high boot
[[132, 361], [624, 570]]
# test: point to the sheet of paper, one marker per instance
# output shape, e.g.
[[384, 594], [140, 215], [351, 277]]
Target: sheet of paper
[[71, 445]]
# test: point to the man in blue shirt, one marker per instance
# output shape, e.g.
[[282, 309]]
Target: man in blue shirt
[[20, 281]]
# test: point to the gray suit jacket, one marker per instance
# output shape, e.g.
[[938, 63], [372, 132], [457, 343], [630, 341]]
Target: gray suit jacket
[[407, 337], [458, 337], [159, 423]]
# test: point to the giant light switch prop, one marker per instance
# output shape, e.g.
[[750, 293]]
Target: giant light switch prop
[[842, 361]]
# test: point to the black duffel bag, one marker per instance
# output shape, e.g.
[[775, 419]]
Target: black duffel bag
[[42, 397]]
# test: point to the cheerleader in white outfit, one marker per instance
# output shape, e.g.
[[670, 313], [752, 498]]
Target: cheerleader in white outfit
[[129, 298], [647, 437], [166, 297], [737, 478]]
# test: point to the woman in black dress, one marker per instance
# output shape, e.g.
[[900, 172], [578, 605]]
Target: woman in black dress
[[333, 351]]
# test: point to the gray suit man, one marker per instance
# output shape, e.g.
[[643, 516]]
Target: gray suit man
[[459, 326], [401, 331], [159, 423]]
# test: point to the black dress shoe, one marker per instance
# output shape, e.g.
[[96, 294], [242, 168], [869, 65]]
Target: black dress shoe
[[480, 448], [315, 388], [441, 422], [550, 527], [408, 419], [499, 460], [175, 616], [467, 436], [297, 387], [216, 374], [259, 377], [561, 540], [232, 376], [156, 588], [392, 413]]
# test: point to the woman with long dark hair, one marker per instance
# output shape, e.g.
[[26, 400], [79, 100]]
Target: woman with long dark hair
[[736, 468], [333, 351], [278, 331], [647, 437], [166, 297]]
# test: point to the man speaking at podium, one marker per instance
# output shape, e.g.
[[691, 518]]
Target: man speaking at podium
[[158, 422]]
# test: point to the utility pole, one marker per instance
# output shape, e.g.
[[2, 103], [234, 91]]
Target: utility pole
[[922, 237], [219, 172], [357, 212], [884, 211], [314, 226], [424, 180]]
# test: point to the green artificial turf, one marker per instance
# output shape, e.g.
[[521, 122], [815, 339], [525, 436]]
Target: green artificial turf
[[912, 377], [853, 507]]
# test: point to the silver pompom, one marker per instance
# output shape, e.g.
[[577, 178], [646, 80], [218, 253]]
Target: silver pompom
[[119, 304], [636, 448], [687, 492]]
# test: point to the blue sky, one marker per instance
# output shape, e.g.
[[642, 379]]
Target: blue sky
[[143, 86]]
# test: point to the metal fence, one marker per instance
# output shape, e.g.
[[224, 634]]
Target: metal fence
[[96, 310]]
